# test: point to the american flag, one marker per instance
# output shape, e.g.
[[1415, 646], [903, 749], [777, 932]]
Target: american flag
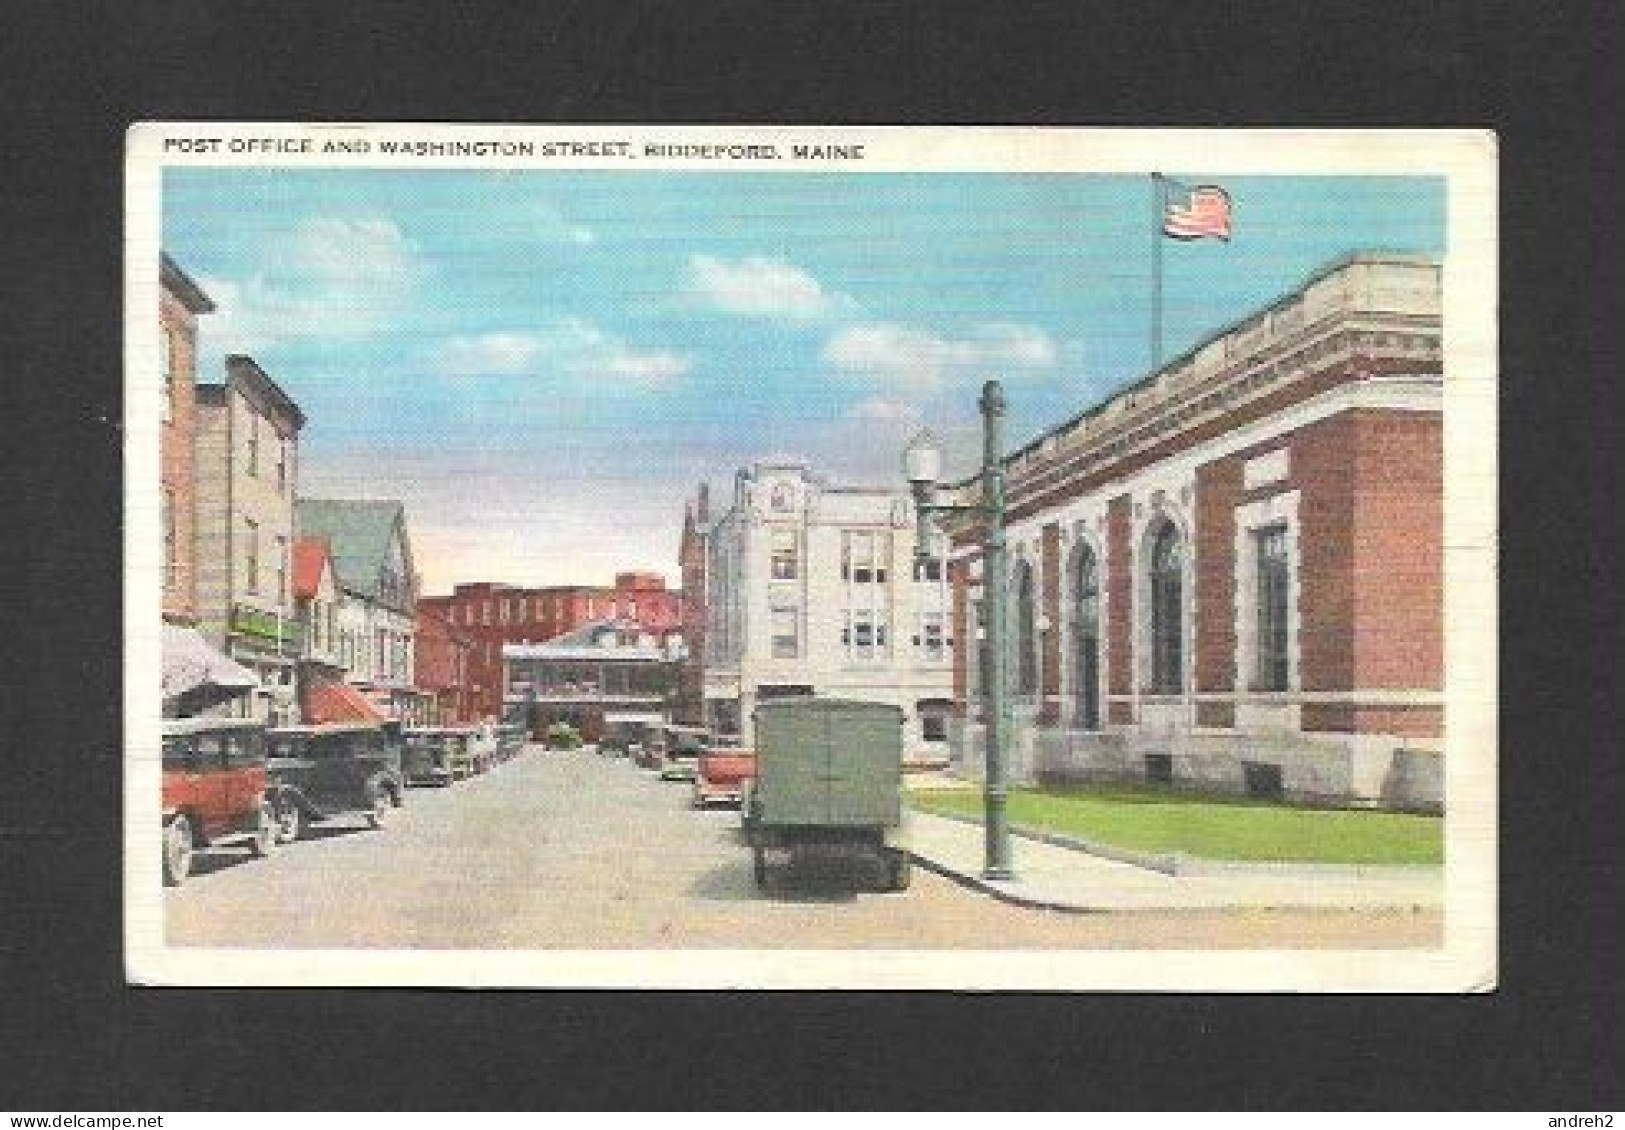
[[1203, 214]]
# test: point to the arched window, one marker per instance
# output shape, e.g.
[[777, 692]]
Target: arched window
[[1085, 609], [1167, 611], [1026, 630]]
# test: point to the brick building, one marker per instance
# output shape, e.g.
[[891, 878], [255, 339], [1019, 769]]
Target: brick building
[[492, 615], [1228, 576], [444, 664], [181, 301]]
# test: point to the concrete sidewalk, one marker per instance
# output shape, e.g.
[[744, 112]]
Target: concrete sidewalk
[[1054, 877]]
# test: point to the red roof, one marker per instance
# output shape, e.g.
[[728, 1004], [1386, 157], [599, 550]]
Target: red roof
[[338, 702], [309, 558]]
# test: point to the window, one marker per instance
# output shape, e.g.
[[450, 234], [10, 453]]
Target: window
[[864, 555], [1167, 611], [251, 554], [933, 721], [502, 610], [281, 462], [169, 538], [785, 625], [1273, 580], [928, 569], [485, 613], [932, 640], [253, 446], [1085, 607], [782, 543], [281, 569], [864, 634], [1026, 630]]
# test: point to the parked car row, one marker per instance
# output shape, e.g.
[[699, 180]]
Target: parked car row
[[231, 781]]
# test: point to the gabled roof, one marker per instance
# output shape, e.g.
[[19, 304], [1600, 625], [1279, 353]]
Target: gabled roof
[[310, 558], [358, 533]]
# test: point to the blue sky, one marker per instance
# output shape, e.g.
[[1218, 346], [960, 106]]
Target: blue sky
[[543, 364]]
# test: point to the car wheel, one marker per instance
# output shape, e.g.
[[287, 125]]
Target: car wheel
[[289, 824], [177, 851], [380, 807], [265, 832], [397, 796], [759, 867]]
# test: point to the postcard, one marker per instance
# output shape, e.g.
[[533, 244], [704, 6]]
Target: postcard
[[963, 559]]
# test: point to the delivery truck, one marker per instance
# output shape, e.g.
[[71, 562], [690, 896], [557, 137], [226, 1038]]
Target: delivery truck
[[829, 777]]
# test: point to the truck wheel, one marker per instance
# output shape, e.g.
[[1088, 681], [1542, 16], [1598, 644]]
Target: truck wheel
[[759, 866], [177, 851], [902, 870], [289, 825], [264, 833]]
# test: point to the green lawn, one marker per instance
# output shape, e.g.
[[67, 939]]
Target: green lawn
[[1151, 820]]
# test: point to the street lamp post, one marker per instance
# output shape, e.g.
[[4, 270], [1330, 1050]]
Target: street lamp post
[[922, 464]]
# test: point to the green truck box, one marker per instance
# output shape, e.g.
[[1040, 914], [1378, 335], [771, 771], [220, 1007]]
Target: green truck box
[[829, 775]]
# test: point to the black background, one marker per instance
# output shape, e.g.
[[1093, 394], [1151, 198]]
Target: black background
[[73, 76]]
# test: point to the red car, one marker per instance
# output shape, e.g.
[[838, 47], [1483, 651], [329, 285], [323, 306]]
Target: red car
[[720, 776], [214, 790]]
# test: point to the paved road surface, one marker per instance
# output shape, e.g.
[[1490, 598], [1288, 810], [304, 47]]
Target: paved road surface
[[574, 850]]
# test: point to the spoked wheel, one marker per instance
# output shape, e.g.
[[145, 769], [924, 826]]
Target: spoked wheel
[[288, 822], [380, 807], [177, 851], [265, 832]]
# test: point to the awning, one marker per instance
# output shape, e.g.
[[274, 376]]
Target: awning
[[199, 673], [327, 701]]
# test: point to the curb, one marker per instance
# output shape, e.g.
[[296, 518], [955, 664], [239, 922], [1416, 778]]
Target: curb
[[988, 887]]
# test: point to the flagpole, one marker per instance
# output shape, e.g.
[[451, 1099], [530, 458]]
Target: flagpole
[[1158, 204]]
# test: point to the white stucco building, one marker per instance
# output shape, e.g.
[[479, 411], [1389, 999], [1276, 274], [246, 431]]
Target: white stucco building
[[812, 589]]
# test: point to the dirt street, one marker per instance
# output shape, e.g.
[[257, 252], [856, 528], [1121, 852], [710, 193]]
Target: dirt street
[[574, 850]]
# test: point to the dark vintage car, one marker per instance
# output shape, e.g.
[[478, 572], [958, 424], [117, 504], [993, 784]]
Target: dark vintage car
[[213, 790], [332, 771], [510, 740], [682, 747], [427, 754]]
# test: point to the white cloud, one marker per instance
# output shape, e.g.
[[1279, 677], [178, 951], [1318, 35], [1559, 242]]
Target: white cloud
[[920, 359], [883, 411], [757, 287], [571, 347], [329, 277], [492, 354]]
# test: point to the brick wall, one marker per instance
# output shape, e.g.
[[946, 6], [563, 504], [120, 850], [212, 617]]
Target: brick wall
[[178, 455], [1218, 491], [1120, 607], [1398, 572]]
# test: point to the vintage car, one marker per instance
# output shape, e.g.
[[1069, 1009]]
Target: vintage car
[[327, 772], [510, 740], [682, 746], [721, 774], [427, 755], [213, 790], [624, 737]]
